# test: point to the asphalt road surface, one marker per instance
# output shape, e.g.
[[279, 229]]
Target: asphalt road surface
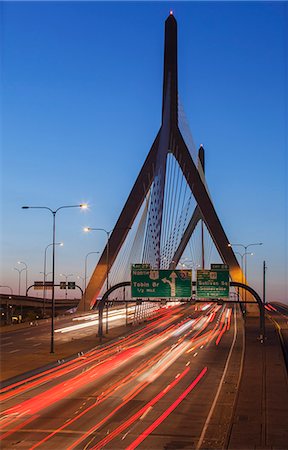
[[155, 388], [278, 313], [28, 343]]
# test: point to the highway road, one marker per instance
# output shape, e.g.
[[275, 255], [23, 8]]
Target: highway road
[[158, 387], [278, 313], [31, 341]]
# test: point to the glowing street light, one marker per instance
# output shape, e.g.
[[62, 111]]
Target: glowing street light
[[54, 212]]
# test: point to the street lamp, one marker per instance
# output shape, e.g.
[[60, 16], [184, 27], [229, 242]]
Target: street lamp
[[48, 273], [242, 262], [45, 274], [246, 253], [86, 229], [243, 267], [83, 206], [82, 279], [85, 276], [8, 287], [19, 279], [66, 278], [189, 264], [21, 262]]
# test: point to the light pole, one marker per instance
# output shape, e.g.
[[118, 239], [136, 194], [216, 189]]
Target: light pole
[[246, 253], [44, 273], [86, 229], [82, 279], [48, 273], [66, 278], [19, 278], [85, 276], [26, 268], [264, 281], [54, 212], [243, 266], [8, 287], [191, 265]]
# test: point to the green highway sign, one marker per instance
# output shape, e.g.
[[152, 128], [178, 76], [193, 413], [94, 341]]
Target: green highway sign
[[161, 283], [212, 283], [141, 266], [219, 266]]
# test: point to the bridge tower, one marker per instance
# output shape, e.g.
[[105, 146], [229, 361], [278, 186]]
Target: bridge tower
[[169, 140]]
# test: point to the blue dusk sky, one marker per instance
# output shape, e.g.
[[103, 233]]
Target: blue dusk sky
[[81, 106]]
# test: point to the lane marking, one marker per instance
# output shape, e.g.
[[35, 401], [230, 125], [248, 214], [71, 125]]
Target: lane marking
[[165, 414], [35, 345], [8, 343], [14, 351], [219, 388]]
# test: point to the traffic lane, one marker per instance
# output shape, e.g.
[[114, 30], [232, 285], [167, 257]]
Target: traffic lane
[[42, 328], [155, 326], [93, 420], [66, 330], [31, 409], [279, 314], [33, 344], [178, 421], [178, 424], [97, 355], [163, 324]]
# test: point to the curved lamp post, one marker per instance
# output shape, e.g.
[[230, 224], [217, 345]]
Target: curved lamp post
[[45, 274], [54, 212], [8, 287], [189, 264], [19, 278], [82, 279], [242, 255], [85, 275], [246, 253], [86, 229], [26, 269]]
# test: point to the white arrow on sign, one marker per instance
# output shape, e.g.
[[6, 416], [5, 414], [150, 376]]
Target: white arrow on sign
[[172, 283]]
